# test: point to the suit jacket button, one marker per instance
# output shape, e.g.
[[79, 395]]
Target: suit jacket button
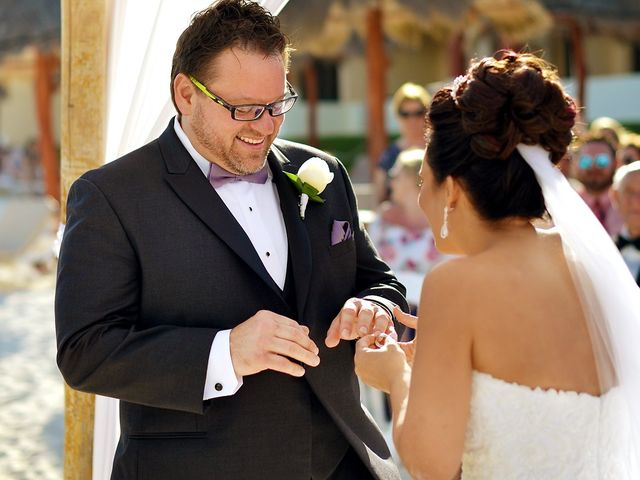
[[218, 386]]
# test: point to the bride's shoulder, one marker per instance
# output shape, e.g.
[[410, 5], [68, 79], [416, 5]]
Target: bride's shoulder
[[464, 282], [448, 299], [460, 275]]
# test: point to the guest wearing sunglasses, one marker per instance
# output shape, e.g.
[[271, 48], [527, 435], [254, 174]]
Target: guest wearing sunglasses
[[594, 166], [629, 149], [409, 103]]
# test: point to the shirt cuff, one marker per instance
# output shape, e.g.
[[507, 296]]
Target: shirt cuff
[[222, 380], [387, 305]]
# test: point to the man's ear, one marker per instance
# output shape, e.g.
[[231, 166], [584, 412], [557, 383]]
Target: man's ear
[[614, 196], [183, 93]]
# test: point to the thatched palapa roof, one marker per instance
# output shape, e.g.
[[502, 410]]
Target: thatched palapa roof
[[323, 27], [615, 17], [29, 22]]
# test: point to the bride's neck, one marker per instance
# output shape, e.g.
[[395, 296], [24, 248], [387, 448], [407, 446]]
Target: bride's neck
[[488, 235]]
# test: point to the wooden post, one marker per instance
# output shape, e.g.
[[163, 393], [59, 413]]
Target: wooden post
[[456, 54], [578, 59], [376, 95], [84, 54], [577, 40], [311, 91], [45, 68]]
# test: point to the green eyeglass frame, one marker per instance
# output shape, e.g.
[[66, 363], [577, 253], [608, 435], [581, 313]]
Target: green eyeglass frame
[[251, 112]]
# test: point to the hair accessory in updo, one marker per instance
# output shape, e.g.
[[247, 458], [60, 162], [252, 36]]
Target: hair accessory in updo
[[458, 86]]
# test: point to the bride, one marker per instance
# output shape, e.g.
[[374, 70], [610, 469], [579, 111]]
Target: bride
[[525, 362]]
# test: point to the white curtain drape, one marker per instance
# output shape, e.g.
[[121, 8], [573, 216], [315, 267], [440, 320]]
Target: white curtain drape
[[142, 39]]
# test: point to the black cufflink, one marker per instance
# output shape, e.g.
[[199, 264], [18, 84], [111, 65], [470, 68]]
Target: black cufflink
[[218, 386]]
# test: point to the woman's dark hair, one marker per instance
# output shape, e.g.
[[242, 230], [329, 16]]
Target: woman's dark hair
[[474, 126], [226, 24]]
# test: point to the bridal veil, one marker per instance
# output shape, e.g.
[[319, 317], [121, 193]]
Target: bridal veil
[[610, 299]]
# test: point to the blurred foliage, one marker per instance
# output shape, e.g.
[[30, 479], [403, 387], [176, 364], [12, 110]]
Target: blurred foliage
[[346, 148]]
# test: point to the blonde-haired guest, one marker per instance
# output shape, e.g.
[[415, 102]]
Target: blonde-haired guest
[[401, 232], [409, 103], [629, 149], [608, 127]]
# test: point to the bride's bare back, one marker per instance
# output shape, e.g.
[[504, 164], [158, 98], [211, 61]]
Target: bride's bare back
[[528, 326]]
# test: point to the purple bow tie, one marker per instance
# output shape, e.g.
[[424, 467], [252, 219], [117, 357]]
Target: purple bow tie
[[218, 176]]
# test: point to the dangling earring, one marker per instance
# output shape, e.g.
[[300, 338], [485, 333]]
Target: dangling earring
[[444, 230]]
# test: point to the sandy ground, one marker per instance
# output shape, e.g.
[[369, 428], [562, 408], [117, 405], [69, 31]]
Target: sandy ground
[[31, 389]]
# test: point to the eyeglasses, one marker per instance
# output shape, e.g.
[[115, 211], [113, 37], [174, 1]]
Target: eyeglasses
[[251, 112], [412, 113], [601, 160]]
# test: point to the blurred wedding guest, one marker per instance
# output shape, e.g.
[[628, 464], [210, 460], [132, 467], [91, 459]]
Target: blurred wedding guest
[[402, 235], [15, 171], [5, 180], [409, 104], [401, 232], [626, 197], [32, 171], [629, 149], [564, 165], [593, 166], [609, 128]]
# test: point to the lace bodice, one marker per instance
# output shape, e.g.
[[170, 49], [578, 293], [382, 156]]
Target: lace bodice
[[516, 432]]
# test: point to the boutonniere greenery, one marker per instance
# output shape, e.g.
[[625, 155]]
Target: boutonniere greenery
[[312, 178]]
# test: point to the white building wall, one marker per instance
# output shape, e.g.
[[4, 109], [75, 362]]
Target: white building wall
[[616, 96], [18, 115]]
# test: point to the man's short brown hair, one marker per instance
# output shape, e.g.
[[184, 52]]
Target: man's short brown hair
[[225, 24], [594, 137]]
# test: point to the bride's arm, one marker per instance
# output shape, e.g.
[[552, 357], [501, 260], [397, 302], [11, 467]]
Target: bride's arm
[[430, 402]]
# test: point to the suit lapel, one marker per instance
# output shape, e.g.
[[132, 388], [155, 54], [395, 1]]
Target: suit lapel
[[299, 245], [193, 188]]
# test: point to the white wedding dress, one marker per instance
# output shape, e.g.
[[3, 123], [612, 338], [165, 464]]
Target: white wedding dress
[[517, 432]]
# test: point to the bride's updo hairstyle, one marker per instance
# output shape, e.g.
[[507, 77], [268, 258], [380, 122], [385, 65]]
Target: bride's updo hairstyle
[[474, 126]]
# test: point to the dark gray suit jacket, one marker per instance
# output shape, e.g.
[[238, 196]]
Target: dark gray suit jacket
[[153, 264]]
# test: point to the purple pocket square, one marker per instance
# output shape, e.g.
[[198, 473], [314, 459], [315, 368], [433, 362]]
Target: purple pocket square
[[340, 231]]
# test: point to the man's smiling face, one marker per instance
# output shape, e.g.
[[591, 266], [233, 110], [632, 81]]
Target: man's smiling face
[[242, 77]]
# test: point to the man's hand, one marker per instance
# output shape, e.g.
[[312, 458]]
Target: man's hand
[[268, 341], [357, 318]]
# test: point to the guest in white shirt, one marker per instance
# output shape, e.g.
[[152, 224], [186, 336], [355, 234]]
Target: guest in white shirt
[[626, 198]]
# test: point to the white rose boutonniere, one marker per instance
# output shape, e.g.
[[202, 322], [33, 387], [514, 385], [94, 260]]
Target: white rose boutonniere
[[312, 178]]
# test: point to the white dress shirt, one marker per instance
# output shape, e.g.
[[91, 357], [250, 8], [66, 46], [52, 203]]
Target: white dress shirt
[[256, 207]]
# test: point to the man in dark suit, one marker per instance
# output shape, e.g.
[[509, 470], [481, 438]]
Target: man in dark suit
[[190, 288], [626, 197]]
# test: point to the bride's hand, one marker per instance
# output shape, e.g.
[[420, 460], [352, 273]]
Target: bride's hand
[[379, 364], [410, 321], [406, 319]]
